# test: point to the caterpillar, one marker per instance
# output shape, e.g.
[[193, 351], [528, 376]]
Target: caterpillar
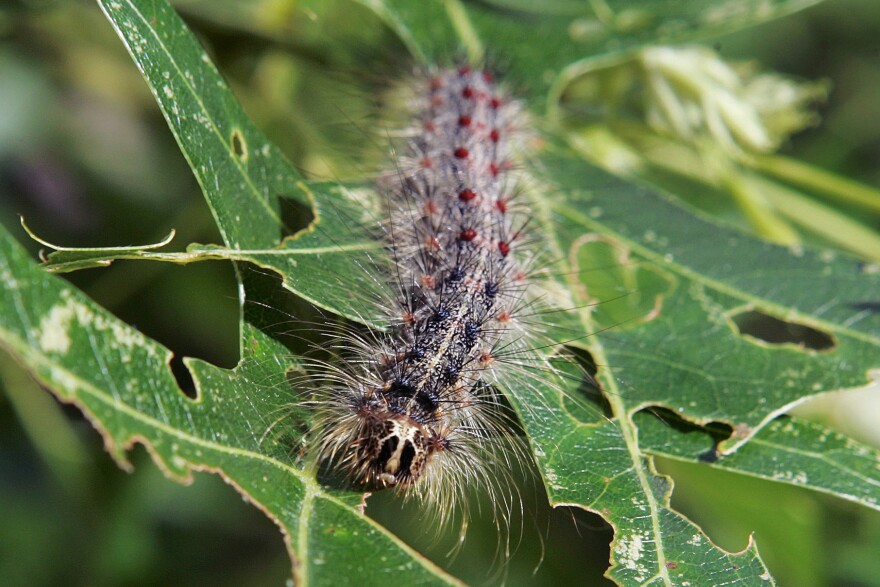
[[417, 409]]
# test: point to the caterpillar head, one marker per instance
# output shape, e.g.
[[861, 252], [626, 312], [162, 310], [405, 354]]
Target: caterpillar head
[[394, 449]]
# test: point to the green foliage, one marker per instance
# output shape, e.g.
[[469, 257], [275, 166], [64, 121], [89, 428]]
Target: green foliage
[[673, 345]]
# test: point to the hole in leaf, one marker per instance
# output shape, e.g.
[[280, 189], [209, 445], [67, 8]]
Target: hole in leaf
[[547, 539], [295, 216], [585, 359], [190, 310], [664, 427], [589, 387], [775, 331], [278, 313], [183, 377], [239, 146]]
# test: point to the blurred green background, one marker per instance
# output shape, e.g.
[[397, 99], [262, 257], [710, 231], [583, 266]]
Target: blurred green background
[[86, 157]]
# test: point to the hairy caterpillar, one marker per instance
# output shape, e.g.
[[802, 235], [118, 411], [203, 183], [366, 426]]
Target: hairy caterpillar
[[420, 412]]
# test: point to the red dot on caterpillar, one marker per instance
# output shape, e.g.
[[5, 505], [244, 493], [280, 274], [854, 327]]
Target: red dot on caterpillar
[[417, 413], [467, 235], [466, 195]]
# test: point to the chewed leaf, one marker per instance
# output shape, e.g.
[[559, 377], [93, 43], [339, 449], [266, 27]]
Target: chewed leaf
[[73, 258], [241, 173], [789, 450], [594, 462], [711, 371], [678, 345], [123, 383]]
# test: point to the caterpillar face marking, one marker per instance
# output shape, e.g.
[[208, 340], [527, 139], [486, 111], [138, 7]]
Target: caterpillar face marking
[[419, 413], [396, 448]]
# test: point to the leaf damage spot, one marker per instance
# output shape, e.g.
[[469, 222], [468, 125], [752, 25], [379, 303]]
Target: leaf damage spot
[[295, 216], [239, 146], [754, 324], [366, 201], [628, 551], [183, 377], [742, 431], [552, 478], [54, 332], [869, 307], [54, 337], [794, 477]]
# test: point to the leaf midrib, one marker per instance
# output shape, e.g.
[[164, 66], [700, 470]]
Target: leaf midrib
[[627, 427]]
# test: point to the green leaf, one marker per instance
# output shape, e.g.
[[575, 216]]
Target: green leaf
[[673, 344], [123, 383], [240, 172], [593, 461], [712, 372], [788, 450], [243, 176], [568, 30]]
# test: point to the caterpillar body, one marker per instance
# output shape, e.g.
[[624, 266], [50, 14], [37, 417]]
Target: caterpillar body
[[421, 413]]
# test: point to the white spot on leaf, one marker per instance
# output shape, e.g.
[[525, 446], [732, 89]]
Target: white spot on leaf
[[54, 336], [628, 551]]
